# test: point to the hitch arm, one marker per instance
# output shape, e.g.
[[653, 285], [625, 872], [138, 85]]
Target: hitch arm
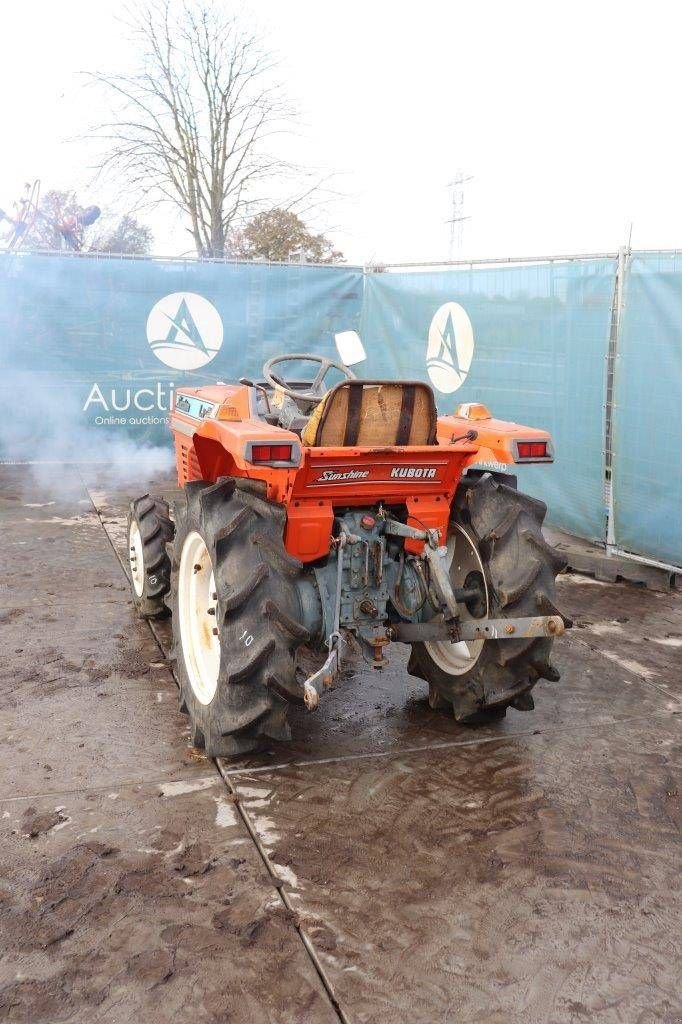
[[477, 629]]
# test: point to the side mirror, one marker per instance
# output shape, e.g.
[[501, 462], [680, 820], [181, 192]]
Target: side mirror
[[350, 347]]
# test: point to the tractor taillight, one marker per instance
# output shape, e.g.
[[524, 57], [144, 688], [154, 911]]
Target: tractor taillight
[[270, 453], [533, 451]]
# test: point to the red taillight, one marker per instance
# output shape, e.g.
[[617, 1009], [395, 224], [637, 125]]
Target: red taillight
[[532, 450], [271, 453]]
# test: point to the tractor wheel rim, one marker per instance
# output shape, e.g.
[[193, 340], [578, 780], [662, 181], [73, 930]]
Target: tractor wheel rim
[[462, 559], [198, 620], [136, 557]]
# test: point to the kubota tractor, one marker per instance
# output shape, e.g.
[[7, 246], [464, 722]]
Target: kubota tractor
[[310, 514]]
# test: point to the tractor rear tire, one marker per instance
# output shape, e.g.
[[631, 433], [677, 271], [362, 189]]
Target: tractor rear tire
[[500, 530], [150, 529], [236, 617]]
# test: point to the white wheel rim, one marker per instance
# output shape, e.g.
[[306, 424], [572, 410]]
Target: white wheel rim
[[136, 557], [462, 558], [196, 611]]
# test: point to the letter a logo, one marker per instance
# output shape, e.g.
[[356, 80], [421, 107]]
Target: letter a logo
[[450, 347], [184, 331]]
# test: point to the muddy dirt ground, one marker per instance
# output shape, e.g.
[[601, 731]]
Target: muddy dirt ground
[[388, 867]]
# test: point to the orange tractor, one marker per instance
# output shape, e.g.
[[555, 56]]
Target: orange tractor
[[311, 514]]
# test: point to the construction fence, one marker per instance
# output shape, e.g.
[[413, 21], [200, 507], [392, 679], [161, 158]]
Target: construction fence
[[588, 347]]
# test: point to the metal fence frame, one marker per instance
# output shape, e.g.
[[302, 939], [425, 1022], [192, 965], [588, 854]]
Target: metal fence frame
[[495, 261], [625, 255], [512, 260], [135, 257]]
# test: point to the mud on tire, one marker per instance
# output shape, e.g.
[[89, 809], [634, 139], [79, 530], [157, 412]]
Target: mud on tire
[[257, 616], [149, 524], [520, 568]]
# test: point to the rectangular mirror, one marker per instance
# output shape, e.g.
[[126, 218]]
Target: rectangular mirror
[[350, 348]]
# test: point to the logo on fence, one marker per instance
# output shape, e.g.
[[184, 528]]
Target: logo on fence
[[184, 330], [450, 348]]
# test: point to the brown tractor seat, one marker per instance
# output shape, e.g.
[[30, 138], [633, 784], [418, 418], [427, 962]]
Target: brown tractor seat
[[367, 413]]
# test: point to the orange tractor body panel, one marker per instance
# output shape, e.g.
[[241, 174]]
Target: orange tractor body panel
[[214, 428], [495, 441]]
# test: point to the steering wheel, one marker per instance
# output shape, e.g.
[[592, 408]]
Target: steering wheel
[[316, 391]]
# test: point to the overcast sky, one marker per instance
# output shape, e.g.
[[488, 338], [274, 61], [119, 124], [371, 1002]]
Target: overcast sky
[[567, 115]]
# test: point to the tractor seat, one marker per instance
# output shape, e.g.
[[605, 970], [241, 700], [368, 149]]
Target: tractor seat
[[371, 413]]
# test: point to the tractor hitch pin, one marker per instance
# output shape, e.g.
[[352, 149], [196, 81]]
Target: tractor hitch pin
[[378, 643]]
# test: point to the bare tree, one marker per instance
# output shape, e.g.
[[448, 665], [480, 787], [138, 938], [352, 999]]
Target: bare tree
[[194, 123]]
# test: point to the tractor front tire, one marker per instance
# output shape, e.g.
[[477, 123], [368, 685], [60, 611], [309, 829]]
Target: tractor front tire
[[149, 530], [236, 617], [496, 533]]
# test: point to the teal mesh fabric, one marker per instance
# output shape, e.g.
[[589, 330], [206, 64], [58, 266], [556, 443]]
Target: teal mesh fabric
[[647, 426], [92, 348], [70, 325], [540, 338]]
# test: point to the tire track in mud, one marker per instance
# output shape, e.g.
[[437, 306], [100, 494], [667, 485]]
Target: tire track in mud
[[431, 747], [277, 880], [633, 669]]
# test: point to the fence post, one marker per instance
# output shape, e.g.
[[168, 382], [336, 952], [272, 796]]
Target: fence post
[[612, 357]]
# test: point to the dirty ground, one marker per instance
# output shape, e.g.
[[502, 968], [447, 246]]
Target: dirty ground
[[387, 866]]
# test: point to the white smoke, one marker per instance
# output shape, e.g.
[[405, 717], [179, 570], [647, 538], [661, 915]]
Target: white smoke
[[43, 426]]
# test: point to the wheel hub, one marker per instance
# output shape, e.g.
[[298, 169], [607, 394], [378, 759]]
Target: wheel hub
[[477, 603], [199, 633]]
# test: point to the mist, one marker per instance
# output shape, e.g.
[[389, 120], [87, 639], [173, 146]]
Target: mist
[[43, 427]]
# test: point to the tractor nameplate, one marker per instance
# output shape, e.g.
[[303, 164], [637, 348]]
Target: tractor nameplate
[[413, 473], [376, 473], [329, 476]]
